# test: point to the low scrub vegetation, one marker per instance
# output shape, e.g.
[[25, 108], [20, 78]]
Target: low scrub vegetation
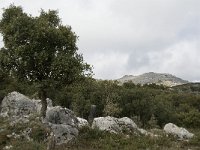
[[90, 139]]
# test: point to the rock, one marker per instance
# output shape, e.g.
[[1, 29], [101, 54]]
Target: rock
[[59, 115], [20, 106], [146, 133], [108, 123], [179, 132], [64, 133], [127, 124], [115, 125], [119, 125], [63, 123], [16, 104], [82, 123]]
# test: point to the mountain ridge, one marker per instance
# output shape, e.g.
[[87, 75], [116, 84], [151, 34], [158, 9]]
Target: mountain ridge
[[165, 79]]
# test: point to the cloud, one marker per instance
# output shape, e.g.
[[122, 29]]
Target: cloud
[[131, 36]]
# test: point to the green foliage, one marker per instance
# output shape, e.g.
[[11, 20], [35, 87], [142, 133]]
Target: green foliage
[[40, 50], [134, 101], [39, 133], [28, 145]]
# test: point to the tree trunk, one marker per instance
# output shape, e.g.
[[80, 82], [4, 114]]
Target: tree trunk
[[43, 97]]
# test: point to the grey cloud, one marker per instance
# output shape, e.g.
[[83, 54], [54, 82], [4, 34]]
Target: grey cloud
[[131, 36]]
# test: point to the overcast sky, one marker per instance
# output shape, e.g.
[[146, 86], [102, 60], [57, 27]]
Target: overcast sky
[[121, 37]]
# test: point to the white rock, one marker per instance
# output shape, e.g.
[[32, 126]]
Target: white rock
[[145, 132], [59, 115], [82, 123], [118, 125], [63, 123], [108, 123], [180, 132], [16, 104], [127, 123], [114, 125], [64, 133], [19, 105]]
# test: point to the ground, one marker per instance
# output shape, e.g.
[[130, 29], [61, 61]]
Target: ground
[[91, 139]]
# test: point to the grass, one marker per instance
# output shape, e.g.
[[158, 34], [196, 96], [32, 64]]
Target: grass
[[38, 135], [93, 139]]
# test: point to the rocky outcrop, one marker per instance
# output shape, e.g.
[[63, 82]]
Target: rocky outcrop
[[17, 105], [63, 123], [176, 131], [117, 125], [109, 124], [127, 123], [82, 123], [151, 77]]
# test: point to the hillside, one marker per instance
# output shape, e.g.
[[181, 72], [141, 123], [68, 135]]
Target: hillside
[[189, 87], [151, 77]]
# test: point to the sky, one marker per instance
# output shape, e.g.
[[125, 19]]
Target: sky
[[130, 37]]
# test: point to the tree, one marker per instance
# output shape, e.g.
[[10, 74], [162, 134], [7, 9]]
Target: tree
[[40, 50]]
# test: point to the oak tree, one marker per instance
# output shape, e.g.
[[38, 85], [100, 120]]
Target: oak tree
[[40, 50]]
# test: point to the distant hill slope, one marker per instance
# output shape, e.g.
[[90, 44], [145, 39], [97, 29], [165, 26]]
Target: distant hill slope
[[151, 77], [189, 87]]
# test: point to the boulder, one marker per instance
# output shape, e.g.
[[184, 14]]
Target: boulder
[[127, 124], [179, 132], [64, 133], [117, 125], [108, 123], [16, 104], [20, 106], [59, 115], [63, 123], [82, 123]]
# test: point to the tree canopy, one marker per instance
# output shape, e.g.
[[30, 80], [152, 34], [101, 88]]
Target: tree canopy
[[40, 49]]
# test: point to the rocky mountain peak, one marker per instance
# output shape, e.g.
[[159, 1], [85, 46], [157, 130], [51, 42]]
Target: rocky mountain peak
[[152, 77]]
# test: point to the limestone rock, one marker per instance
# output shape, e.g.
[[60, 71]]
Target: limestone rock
[[114, 125], [108, 123], [64, 133], [118, 125], [180, 132], [63, 123], [127, 124], [59, 115], [16, 104], [20, 106], [144, 132], [82, 123]]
